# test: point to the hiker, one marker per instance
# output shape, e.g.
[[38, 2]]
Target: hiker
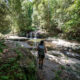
[[41, 53]]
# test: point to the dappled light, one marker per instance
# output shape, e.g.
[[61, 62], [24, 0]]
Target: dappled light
[[39, 39], [65, 43]]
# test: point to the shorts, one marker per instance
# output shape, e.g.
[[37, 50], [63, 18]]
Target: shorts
[[41, 56]]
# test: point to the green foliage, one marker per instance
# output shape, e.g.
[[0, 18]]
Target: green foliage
[[62, 67], [19, 53], [4, 77], [4, 18], [31, 75], [23, 10], [57, 75], [54, 16], [2, 46], [12, 70], [31, 28]]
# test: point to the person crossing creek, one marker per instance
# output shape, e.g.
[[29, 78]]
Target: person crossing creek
[[41, 53]]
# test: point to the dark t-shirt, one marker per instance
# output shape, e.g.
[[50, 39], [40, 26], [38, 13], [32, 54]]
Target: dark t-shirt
[[41, 51]]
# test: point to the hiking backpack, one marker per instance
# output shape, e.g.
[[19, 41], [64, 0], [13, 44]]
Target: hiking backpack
[[41, 49]]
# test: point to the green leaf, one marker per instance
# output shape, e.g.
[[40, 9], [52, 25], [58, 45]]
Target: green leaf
[[4, 77]]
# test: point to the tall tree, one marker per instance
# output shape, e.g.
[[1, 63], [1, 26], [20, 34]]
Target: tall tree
[[4, 18], [20, 11]]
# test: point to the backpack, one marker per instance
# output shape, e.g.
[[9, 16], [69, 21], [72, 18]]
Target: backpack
[[41, 49]]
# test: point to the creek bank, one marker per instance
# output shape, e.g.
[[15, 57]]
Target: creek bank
[[17, 63], [57, 63]]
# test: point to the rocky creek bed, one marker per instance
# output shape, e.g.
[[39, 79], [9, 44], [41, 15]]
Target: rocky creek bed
[[59, 63]]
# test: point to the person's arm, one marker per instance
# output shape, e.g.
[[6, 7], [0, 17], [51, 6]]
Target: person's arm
[[45, 49]]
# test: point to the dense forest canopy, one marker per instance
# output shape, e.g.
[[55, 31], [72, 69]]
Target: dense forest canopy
[[21, 16]]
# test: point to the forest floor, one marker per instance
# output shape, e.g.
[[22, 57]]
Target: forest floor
[[57, 67], [59, 64]]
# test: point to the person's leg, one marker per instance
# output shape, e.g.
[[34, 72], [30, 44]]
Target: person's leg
[[42, 60], [39, 62]]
